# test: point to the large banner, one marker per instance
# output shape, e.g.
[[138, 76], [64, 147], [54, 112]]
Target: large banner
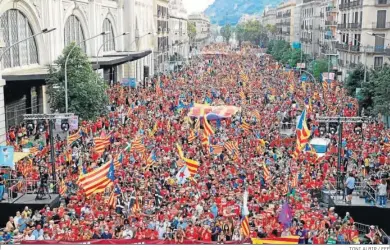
[[130, 242], [7, 156], [215, 112]]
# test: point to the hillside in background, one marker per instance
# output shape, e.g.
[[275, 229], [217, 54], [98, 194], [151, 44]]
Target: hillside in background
[[222, 12]]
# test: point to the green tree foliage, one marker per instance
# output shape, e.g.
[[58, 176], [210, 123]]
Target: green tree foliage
[[251, 31], [226, 32], [355, 80], [379, 82], [320, 66], [191, 31], [87, 95]]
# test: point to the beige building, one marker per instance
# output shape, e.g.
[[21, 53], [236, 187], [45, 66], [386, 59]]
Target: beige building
[[202, 24], [285, 21], [269, 16], [357, 21], [309, 21], [178, 37], [161, 49], [328, 31]]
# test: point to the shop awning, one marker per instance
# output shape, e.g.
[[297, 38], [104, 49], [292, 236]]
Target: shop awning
[[35, 72], [117, 58], [40, 72]]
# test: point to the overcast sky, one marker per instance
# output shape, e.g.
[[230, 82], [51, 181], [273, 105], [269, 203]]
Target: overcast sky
[[196, 5]]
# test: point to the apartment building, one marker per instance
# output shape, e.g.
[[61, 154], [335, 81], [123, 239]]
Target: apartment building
[[328, 30], [363, 33], [310, 22], [202, 24], [269, 16], [161, 50], [178, 38], [285, 21]]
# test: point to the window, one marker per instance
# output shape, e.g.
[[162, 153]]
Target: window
[[16, 27], [108, 40], [379, 42], [74, 32], [381, 19], [378, 62]]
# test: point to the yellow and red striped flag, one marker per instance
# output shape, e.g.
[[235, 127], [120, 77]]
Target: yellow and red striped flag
[[101, 144], [256, 114], [207, 127], [245, 227], [246, 126], [191, 137], [191, 165], [112, 199], [242, 95], [154, 130], [216, 149], [267, 174], [74, 137], [97, 180], [62, 190], [205, 139], [138, 146], [231, 147]]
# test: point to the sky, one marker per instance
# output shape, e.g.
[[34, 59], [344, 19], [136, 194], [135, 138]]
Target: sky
[[196, 5]]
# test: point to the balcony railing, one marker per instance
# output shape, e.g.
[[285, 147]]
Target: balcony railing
[[381, 25], [321, 14], [331, 9], [341, 26], [382, 2], [379, 50], [352, 4], [332, 38], [340, 62], [330, 23], [342, 46], [354, 25]]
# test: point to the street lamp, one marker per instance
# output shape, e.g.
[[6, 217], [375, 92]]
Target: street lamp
[[66, 64], [98, 53], [44, 31]]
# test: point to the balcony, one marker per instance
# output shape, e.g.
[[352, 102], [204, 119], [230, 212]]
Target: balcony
[[380, 26], [352, 4], [331, 38], [288, 14], [382, 3], [330, 23], [341, 26], [321, 14], [342, 46], [354, 26], [378, 50], [340, 62], [352, 65], [307, 1], [331, 9]]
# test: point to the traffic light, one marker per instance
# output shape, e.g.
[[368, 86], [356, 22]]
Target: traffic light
[[30, 126], [322, 128], [333, 127], [358, 128], [42, 126], [64, 125]]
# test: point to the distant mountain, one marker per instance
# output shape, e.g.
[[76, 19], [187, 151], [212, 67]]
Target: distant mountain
[[222, 12]]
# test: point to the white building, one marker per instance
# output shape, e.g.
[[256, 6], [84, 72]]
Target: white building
[[179, 46], [356, 19], [161, 45], [246, 18], [202, 24], [24, 66]]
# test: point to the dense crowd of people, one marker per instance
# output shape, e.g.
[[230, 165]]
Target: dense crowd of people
[[152, 201]]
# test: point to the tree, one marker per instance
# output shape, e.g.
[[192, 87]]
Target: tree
[[191, 30], [295, 57], [379, 81], [226, 32], [355, 80], [87, 95], [320, 66], [240, 33]]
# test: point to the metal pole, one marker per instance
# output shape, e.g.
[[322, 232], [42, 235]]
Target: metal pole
[[52, 155], [66, 66], [328, 67], [339, 175], [365, 66]]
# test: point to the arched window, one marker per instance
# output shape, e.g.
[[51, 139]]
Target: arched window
[[108, 40], [15, 27], [74, 32]]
